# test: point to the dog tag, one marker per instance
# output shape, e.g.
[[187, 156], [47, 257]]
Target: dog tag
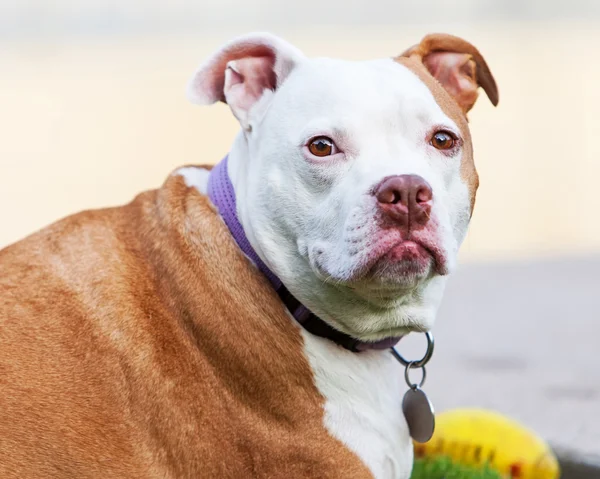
[[419, 414], [417, 409]]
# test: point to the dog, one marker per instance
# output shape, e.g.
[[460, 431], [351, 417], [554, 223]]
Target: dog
[[236, 322]]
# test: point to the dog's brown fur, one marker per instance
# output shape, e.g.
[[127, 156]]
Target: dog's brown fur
[[453, 70], [136, 342]]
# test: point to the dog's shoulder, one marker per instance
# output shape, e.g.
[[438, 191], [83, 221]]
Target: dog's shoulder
[[146, 324]]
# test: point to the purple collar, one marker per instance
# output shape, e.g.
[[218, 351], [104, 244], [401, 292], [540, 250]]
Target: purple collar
[[221, 193]]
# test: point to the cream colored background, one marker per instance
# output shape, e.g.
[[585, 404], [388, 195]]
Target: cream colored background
[[90, 122]]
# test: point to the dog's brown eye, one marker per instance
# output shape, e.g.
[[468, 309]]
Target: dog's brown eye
[[322, 146], [442, 140]]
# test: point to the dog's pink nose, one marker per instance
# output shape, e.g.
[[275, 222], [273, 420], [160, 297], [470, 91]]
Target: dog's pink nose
[[406, 199]]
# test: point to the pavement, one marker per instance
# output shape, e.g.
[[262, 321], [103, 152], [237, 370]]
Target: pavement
[[521, 338]]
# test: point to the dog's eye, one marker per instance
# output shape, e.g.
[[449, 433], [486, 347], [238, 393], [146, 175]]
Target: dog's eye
[[322, 146], [442, 140]]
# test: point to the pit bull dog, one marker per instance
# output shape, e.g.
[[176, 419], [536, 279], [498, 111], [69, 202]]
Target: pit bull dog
[[236, 322]]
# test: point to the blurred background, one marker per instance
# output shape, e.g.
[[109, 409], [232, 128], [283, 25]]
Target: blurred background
[[93, 111]]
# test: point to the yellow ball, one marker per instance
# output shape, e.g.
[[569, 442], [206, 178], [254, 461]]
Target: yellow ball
[[475, 437]]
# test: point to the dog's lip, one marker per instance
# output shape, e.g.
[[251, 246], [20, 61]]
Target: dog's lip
[[418, 246], [408, 244], [439, 258], [366, 268], [403, 250]]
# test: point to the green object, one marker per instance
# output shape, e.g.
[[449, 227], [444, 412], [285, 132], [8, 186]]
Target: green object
[[444, 468]]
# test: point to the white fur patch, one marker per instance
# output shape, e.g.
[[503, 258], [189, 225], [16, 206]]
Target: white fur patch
[[363, 404], [195, 177]]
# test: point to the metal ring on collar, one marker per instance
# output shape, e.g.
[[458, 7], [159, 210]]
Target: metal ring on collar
[[412, 366], [421, 362]]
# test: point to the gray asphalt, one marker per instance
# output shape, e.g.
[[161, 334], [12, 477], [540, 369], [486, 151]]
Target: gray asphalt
[[523, 339]]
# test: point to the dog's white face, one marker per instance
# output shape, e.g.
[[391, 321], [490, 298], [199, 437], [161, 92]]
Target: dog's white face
[[355, 180]]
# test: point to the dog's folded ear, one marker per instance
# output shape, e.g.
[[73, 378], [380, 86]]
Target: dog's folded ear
[[457, 65], [242, 72]]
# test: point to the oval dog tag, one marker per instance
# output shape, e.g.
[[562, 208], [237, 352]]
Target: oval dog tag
[[419, 414]]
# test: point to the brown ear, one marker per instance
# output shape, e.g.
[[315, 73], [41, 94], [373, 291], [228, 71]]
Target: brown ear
[[457, 65]]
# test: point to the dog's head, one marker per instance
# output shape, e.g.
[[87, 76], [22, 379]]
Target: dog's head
[[355, 180]]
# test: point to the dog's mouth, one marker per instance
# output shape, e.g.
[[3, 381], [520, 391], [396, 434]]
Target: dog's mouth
[[412, 258], [398, 262], [386, 265]]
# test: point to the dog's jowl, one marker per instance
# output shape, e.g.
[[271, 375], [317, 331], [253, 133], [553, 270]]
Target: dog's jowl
[[237, 321]]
